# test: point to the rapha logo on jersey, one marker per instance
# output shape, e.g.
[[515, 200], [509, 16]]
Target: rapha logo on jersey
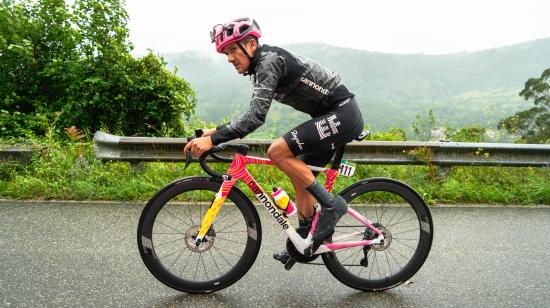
[[294, 134], [327, 127], [314, 85]]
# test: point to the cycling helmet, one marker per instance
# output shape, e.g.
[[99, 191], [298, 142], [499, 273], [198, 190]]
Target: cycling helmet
[[234, 31]]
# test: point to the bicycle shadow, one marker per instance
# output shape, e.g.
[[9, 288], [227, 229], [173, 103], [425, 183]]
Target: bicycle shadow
[[388, 298], [197, 300]]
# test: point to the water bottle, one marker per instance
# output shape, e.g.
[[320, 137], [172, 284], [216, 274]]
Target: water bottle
[[283, 201]]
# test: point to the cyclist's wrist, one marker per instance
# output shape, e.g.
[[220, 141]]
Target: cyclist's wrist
[[221, 126], [208, 132], [222, 135]]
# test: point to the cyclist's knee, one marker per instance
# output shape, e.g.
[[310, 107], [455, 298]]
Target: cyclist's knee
[[278, 150]]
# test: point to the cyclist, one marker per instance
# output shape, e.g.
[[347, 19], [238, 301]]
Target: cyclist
[[306, 86]]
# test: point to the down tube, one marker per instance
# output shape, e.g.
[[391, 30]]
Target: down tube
[[267, 203]]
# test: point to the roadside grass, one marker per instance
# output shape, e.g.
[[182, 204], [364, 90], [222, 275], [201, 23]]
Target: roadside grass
[[69, 171]]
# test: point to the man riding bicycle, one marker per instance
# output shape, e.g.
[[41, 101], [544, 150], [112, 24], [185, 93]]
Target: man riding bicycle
[[304, 85]]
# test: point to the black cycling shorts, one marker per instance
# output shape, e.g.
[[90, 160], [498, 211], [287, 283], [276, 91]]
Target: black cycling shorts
[[316, 140]]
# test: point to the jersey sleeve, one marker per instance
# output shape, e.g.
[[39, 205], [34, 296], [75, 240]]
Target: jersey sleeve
[[267, 76]]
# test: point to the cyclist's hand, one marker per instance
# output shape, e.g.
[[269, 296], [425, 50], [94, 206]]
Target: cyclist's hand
[[198, 146], [208, 132]]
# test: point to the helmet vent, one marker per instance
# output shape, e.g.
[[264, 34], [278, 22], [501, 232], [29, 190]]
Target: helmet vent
[[243, 29]]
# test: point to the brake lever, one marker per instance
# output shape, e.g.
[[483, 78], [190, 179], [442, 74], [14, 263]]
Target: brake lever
[[188, 159], [189, 156]]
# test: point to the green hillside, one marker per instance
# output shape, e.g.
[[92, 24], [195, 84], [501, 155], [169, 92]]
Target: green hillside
[[462, 88]]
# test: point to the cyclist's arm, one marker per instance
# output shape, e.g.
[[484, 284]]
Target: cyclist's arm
[[267, 77]]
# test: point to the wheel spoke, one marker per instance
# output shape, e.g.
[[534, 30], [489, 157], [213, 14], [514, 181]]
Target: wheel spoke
[[215, 263], [170, 227], [227, 261], [403, 244], [162, 244], [233, 241]]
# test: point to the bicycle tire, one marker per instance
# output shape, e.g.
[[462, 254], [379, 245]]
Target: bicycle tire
[[173, 216], [402, 215]]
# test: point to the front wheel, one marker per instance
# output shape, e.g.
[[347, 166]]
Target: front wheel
[[169, 225], [402, 216]]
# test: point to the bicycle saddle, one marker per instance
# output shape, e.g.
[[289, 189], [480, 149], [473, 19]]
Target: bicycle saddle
[[362, 135]]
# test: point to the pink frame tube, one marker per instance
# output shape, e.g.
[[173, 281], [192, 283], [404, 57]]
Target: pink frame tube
[[238, 170]]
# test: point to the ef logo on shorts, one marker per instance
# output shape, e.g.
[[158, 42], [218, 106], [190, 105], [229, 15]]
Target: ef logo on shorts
[[327, 127]]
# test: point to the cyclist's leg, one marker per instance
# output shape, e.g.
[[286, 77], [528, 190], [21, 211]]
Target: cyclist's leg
[[302, 179], [304, 199], [324, 133]]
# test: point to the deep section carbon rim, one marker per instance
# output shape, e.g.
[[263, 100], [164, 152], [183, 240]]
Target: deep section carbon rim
[[401, 215], [169, 229]]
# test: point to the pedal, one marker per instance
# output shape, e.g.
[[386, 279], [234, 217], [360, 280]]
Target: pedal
[[289, 263], [282, 256]]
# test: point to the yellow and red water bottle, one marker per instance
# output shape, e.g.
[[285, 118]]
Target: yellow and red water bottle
[[283, 201]]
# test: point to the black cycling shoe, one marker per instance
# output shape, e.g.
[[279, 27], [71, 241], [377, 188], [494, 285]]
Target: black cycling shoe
[[332, 209], [282, 256], [328, 217]]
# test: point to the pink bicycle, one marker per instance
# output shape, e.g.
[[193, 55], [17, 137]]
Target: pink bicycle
[[201, 234]]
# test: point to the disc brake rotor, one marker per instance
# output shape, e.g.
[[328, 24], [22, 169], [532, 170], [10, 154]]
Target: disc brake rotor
[[207, 242]]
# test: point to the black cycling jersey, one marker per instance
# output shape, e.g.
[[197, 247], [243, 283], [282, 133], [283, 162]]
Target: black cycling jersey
[[290, 79]]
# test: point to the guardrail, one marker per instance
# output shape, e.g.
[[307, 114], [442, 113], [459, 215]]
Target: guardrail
[[143, 149]]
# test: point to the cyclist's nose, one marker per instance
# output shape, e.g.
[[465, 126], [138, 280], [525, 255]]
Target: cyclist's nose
[[230, 58]]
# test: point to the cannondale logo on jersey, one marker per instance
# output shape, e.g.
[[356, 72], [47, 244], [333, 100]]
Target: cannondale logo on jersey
[[314, 85]]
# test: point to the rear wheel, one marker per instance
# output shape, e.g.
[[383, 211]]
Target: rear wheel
[[402, 216], [170, 223]]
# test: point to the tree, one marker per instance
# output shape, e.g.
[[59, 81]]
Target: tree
[[532, 125], [73, 65], [424, 126], [474, 133]]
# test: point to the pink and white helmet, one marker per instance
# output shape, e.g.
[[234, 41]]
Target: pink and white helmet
[[234, 31]]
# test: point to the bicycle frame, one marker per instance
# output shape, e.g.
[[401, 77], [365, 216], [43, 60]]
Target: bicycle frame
[[237, 170]]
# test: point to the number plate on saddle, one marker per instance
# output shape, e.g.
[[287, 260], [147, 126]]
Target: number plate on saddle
[[346, 169]]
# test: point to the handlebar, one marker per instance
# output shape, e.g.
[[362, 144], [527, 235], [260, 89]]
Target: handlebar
[[239, 148]]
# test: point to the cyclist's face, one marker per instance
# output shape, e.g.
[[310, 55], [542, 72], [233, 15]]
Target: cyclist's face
[[236, 56]]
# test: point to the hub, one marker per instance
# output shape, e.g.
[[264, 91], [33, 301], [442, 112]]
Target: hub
[[207, 241], [370, 235]]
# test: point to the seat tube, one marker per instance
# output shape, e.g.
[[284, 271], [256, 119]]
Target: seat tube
[[331, 175]]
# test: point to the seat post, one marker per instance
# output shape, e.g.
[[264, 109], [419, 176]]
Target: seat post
[[337, 160]]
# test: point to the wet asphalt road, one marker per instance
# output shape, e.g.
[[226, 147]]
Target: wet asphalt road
[[85, 254]]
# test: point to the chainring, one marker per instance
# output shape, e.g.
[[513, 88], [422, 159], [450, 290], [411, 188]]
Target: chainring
[[296, 255]]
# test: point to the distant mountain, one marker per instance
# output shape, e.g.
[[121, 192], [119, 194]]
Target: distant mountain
[[461, 88]]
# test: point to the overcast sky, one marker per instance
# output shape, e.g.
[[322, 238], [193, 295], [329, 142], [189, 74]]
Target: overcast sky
[[394, 26]]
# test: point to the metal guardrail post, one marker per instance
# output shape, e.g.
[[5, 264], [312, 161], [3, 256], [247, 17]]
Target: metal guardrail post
[[135, 149], [23, 156]]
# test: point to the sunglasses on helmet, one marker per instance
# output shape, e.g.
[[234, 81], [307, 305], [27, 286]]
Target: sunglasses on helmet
[[219, 29]]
